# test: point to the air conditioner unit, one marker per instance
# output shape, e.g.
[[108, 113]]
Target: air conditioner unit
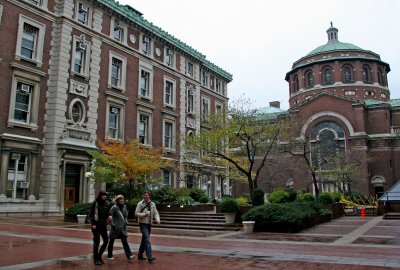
[[117, 25], [82, 46], [83, 8], [191, 92], [146, 39], [16, 156], [25, 88], [114, 110], [170, 51], [22, 185]]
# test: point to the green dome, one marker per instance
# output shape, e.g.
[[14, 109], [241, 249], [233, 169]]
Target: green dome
[[334, 46]]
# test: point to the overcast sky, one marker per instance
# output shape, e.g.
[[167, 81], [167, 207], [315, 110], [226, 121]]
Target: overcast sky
[[257, 41]]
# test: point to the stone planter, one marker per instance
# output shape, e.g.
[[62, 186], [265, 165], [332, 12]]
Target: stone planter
[[81, 219], [248, 226], [230, 218]]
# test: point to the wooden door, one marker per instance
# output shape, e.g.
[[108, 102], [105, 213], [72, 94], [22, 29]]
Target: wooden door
[[69, 197]]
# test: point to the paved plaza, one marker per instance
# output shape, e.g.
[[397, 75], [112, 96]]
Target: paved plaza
[[344, 243]]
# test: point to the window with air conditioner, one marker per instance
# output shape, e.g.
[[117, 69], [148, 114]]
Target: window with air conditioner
[[80, 57], [169, 58], [145, 45], [117, 71], [82, 15], [20, 161], [144, 129]]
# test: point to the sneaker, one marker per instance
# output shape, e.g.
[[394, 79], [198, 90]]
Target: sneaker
[[97, 262], [140, 257], [131, 257], [110, 258], [101, 260], [151, 260]]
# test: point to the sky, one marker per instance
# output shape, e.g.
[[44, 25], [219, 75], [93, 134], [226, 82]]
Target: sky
[[257, 41]]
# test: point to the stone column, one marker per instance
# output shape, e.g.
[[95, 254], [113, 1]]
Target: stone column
[[4, 170]]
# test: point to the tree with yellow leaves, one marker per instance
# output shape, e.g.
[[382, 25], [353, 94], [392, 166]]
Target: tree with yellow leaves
[[129, 162]]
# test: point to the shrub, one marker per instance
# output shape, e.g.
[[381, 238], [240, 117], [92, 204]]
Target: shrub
[[325, 197], [229, 206], [185, 200], [278, 196], [204, 199], [78, 209], [336, 197], [242, 200], [196, 193], [305, 197], [258, 197], [164, 195], [292, 194]]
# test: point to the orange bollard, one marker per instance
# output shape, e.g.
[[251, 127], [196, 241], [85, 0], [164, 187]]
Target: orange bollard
[[363, 212]]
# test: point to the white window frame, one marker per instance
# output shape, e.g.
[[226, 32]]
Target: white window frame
[[122, 79], [22, 175], [39, 3], [124, 30], [85, 69], [169, 57], [170, 177], [38, 50], [189, 68], [173, 94], [190, 102], [88, 21], [219, 104], [34, 81], [113, 102], [146, 50], [147, 113], [172, 143], [218, 87], [205, 114], [149, 69], [205, 78]]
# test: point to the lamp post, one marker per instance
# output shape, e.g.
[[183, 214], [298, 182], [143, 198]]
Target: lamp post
[[15, 157]]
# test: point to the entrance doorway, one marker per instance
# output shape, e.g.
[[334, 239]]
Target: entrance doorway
[[73, 173]]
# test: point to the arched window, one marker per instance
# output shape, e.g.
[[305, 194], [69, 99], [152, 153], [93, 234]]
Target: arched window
[[347, 74], [295, 83], [366, 74], [309, 79], [327, 76]]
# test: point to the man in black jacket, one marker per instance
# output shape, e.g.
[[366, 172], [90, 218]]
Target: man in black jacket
[[99, 215]]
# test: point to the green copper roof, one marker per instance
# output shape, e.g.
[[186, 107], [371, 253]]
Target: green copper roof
[[377, 103], [135, 16], [269, 113], [334, 46]]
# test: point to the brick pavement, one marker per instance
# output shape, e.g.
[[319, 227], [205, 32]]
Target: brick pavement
[[345, 243]]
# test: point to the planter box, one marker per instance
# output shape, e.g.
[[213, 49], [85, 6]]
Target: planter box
[[248, 226], [81, 219]]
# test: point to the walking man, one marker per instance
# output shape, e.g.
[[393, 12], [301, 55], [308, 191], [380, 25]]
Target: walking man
[[146, 212], [119, 214], [98, 217]]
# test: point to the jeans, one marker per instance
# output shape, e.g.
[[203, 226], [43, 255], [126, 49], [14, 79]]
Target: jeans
[[145, 245], [125, 244], [101, 230]]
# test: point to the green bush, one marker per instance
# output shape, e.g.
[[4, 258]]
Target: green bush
[[278, 196], [196, 193], [325, 197], [242, 200], [185, 200], [292, 194], [204, 199], [258, 197], [229, 205], [336, 197], [164, 195], [305, 197], [78, 209]]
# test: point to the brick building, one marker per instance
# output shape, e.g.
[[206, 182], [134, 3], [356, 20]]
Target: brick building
[[74, 71], [340, 93]]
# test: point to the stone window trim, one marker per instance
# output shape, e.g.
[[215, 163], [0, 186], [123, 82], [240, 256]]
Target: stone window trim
[[70, 112], [122, 84], [25, 77], [39, 3], [142, 111], [205, 111], [217, 106], [145, 67], [120, 104], [118, 24], [37, 57], [146, 45], [218, 85], [86, 48], [347, 73], [205, 78], [169, 57], [172, 104], [169, 120], [78, 8]]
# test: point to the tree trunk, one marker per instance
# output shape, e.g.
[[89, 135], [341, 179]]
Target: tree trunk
[[315, 183]]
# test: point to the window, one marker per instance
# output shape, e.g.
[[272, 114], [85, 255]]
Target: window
[[168, 142], [144, 83], [77, 111], [82, 13], [81, 56], [169, 93], [30, 40], [117, 71], [118, 31], [204, 78], [218, 86], [347, 74], [327, 76], [23, 101], [295, 83], [146, 45], [366, 74], [169, 57], [218, 108], [144, 129], [189, 69], [167, 177], [205, 108], [190, 100], [309, 79], [381, 77], [115, 119], [17, 170]]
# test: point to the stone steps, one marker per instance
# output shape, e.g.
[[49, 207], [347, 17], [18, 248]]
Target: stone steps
[[391, 215]]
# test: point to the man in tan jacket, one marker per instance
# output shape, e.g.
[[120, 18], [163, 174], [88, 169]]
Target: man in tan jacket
[[146, 212]]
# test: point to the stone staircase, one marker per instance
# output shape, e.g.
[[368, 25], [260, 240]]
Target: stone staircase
[[194, 221]]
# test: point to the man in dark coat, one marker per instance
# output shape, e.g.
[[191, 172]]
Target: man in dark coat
[[99, 215]]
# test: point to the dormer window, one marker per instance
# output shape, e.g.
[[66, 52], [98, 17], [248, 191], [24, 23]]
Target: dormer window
[[118, 31], [83, 13], [146, 45]]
